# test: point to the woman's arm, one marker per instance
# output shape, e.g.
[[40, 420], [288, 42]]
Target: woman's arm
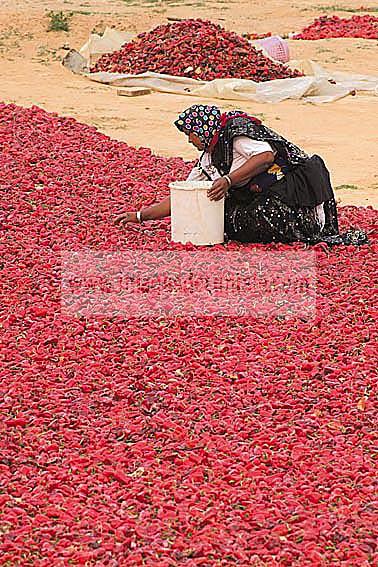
[[155, 212], [158, 211], [162, 209], [252, 167]]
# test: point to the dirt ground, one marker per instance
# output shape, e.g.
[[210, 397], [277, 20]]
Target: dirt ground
[[343, 132]]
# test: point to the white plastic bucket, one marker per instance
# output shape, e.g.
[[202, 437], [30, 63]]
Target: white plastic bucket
[[194, 218]]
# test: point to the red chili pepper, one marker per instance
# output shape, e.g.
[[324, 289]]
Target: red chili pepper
[[332, 26], [172, 440], [194, 48]]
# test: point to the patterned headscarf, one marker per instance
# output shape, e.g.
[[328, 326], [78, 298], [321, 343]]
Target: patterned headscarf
[[202, 120], [207, 121]]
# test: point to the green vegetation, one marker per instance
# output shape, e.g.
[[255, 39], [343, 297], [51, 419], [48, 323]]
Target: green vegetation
[[172, 3], [11, 40], [59, 21], [337, 8], [45, 55], [340, 187]]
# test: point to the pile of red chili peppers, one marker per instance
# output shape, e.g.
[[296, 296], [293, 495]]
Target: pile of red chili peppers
[[178, 441], [333, 26], [193, 48]]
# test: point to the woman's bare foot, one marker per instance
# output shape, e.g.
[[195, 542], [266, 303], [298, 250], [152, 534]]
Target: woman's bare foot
[[126, 217]]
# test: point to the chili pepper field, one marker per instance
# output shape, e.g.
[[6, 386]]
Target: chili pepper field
[[190, 440]]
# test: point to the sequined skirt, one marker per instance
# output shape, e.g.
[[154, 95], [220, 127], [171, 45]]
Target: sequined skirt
[[265, 218]]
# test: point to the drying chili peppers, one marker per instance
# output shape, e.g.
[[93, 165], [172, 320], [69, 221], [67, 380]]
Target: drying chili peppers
[[171, 441], [193, 48], [332, 26]]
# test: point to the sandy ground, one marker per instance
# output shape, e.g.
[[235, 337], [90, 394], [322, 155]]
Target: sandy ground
[[344, 132]]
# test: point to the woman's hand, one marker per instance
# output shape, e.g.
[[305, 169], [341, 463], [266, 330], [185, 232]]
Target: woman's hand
[[218, 189], [126, 217]]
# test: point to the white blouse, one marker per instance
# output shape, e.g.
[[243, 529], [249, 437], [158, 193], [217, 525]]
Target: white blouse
[[243, 149]]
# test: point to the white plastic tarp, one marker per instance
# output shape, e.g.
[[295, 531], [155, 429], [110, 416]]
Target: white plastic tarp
[[315, 87], [111, 40]]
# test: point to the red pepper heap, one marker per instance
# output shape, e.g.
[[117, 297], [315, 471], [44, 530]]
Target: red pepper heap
[[358, 26], [194, 48]]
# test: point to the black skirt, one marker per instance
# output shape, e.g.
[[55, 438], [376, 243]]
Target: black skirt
[[288, 211]]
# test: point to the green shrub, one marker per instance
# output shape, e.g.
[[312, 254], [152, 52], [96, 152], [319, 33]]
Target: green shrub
[[59, 21]]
